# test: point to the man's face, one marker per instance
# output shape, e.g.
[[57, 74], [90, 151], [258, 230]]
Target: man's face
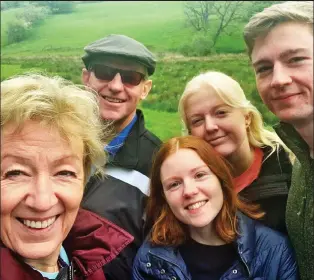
[[283, 64], [118, 98]]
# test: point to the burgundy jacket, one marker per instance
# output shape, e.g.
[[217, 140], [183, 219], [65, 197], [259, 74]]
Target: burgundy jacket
[[92, 242]]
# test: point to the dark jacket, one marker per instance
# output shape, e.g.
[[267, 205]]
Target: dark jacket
[[91, 243], [270, 189], [264, 254], [300, 205], [121, 196]]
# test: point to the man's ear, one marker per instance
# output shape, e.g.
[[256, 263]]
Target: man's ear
[[85, 76], [146, 88]]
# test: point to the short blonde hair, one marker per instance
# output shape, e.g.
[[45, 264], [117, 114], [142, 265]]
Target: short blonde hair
[[262, 22], [232, 94], [56, 102]]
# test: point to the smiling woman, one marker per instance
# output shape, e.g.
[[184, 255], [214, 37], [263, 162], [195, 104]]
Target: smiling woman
[[201, 229], [51, 136]]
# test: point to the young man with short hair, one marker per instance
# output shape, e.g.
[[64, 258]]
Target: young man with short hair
[[280, 44], [117, 67]]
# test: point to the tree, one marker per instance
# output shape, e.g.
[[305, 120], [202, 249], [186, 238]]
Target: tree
[[257, 6], [204, 15]]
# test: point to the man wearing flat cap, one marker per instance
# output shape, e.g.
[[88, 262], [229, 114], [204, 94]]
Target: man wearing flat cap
[[118, 67]]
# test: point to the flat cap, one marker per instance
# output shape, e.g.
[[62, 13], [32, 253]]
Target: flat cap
[[120, 45]]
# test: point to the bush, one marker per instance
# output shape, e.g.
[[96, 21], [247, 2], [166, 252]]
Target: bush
[[17, 30], [57, 7], [200, 45], [33, 15]]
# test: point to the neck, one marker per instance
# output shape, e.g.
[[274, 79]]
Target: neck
[[47, 264], [242, 159], [206, 235], [122, 123], [306, 132]]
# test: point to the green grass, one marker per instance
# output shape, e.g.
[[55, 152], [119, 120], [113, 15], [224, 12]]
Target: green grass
[[163, 124], [159, 25]]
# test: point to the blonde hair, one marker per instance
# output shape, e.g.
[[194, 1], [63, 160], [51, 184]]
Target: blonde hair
[[262, 22], [232, 94], [56, 102]]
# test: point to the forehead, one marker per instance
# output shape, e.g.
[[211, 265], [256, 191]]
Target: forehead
[[121, 62], [35, 135], [205, 98], [283, 38], [187, 158]]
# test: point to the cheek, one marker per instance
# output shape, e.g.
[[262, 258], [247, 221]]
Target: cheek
[[11, 196], [197, 131], [173, 200], [71, 196]]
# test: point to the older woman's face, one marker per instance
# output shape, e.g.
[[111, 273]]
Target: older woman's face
[[41, 189]]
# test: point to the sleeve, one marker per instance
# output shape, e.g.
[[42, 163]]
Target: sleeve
[[288, 269]]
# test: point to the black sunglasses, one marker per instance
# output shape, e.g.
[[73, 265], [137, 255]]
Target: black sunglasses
[[107, 73]]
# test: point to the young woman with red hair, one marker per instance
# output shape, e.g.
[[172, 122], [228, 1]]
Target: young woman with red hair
[[201, 229]]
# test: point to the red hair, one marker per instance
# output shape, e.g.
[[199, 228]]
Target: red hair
[[167, 229]]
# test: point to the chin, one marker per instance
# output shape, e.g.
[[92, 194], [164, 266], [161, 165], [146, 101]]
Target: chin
[[42, 251]]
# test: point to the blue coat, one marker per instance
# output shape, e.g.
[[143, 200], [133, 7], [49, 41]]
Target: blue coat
[[264, 254]]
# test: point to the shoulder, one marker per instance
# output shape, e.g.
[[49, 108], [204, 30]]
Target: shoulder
[[151, 138], [271, 244], [276, 161], [145, 134]]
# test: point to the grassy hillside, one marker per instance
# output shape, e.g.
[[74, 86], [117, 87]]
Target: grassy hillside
[[159, 25]]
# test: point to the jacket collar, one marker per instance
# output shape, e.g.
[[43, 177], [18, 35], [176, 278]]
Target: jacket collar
[[92, 242], [293, 140], [127, 156]]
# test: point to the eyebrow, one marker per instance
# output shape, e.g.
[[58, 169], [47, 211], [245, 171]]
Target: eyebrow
[[214, 108], [281, 56], [191, 171], [56, 161]]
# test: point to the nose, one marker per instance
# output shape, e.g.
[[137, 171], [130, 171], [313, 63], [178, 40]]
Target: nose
[[116, 84], [42, 196], [210, 124], [190, 188], [281, 76]]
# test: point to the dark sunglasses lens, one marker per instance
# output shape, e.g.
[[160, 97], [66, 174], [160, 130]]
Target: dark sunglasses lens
[[103, 72], [131, 78], [106, 73]]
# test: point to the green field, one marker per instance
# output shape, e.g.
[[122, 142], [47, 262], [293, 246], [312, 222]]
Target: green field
[[159, 25], [56, 45]]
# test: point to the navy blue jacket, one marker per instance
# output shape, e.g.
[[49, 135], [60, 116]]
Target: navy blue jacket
[[264, 254]]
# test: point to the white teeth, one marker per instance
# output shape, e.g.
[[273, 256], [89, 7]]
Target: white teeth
[[114, 100], [196, 205], [38, 224]]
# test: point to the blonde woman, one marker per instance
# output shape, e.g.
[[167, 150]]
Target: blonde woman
[[214, 107], [51, 135]]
